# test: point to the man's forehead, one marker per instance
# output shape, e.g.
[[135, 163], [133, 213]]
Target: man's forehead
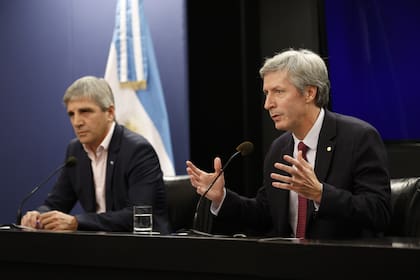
[[81, 103]]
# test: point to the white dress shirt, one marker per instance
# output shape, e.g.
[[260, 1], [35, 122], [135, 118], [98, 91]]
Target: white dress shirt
[[98, 163], [311, 141]]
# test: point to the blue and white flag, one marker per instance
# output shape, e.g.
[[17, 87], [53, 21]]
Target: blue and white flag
[[133, 75]]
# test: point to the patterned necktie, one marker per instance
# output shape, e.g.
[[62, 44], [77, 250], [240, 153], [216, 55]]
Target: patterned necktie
[[302, 202]]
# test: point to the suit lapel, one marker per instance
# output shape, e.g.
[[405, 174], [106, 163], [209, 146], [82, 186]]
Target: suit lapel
[[324, 153], [113, 150], [280, 198], [108, 180], [87, 189], [326, 146]]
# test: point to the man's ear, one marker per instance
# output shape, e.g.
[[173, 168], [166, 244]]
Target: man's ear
[[111, 112], [310, 93]]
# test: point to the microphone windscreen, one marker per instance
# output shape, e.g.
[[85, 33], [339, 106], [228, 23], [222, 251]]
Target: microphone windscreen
[[71, 161], [245, 148]]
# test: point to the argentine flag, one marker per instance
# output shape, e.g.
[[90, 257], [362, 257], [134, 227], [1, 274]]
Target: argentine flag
[[133, 75]]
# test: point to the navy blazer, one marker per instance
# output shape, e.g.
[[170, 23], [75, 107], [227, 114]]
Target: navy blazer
[[133, 177], [351, 163]]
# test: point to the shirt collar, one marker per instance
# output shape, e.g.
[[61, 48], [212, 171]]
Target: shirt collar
[[107, 140], [108, 137], [311, 139]]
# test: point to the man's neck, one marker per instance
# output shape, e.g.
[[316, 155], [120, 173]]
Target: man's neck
[[308, 123]]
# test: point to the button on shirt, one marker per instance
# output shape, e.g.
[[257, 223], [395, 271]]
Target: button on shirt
[[311, 140], [98, 164]]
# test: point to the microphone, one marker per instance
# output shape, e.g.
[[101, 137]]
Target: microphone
[[245, 148], [71, 161]]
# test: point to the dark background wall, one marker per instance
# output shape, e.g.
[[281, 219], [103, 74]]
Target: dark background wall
[[224, 87], [372, 50], [226, 99], [374, 63]]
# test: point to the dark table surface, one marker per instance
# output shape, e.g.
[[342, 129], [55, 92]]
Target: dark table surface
[[194, 256]]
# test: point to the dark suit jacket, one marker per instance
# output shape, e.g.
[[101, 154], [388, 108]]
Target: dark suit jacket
[[133, 177], [351, 163]]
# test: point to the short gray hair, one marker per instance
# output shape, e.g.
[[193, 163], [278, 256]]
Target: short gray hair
[[94, 88], [304, 68]]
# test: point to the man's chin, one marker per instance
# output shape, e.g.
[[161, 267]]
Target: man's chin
[[279, 126], [83, 140]]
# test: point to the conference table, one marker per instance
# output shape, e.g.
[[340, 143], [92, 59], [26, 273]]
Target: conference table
[[100, 255]]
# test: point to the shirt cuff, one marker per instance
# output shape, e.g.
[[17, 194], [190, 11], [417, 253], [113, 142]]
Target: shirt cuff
[[316, 205], [215, 210]]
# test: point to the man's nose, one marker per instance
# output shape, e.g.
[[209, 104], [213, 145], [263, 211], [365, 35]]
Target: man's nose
[[77, 120], [268, 102]]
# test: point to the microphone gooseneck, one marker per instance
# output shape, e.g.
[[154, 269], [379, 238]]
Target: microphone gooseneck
[[245, 148], [71, 161]]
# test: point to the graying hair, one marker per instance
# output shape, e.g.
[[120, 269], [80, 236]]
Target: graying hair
[[304, 68], [96, 89]]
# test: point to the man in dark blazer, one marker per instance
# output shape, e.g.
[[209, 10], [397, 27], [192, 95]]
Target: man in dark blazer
[[115, 170], [341, 178]]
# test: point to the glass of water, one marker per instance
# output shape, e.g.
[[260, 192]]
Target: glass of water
[[142, 219]]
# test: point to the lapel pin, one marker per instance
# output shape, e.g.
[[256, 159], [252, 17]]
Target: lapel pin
[[329, 149]]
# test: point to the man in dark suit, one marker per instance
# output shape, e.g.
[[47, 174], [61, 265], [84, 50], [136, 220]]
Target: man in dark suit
[[115, 170], [325, 177]]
